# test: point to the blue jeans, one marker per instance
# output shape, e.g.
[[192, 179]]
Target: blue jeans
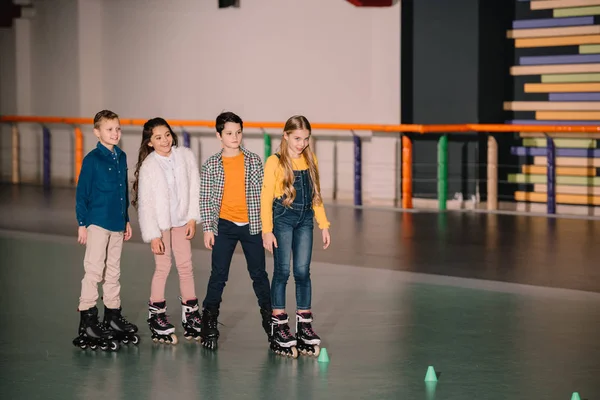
[[293, 229], [225, 242]]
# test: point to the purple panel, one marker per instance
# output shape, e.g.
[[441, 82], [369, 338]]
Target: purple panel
[[574, 96], [574, 59], [551, 176], [542, 151], [536, 122], [553, 22]]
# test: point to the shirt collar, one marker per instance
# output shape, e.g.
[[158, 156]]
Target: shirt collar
[[242, 148], [106, 151]]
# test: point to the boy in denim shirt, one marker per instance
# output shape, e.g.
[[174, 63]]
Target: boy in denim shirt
[[102, 203]]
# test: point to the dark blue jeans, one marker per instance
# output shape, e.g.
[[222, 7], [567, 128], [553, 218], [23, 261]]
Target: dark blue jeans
[[293, 229], [222, 252]]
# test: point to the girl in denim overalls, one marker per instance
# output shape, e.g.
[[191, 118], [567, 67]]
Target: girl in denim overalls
[[290, 200]]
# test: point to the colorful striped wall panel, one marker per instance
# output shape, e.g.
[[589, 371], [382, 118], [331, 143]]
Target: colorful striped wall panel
[[565, 171], [551, 106], [565, 189], [569, 135], [557, 61], [560, 180], [561, 143], [554, 69], [569, 161], [560, 198], [551, 4], [561, 87]]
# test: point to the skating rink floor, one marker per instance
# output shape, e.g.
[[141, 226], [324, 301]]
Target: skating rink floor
[[503, 306]]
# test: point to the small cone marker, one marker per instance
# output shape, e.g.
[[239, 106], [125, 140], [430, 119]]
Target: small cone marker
[[323, 356], [430, 376], [575, 396]]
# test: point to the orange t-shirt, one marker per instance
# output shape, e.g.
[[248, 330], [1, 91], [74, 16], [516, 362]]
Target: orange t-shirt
[[233, 206]]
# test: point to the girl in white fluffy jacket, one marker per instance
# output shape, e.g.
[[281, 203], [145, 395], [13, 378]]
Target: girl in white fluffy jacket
[[166, 193]]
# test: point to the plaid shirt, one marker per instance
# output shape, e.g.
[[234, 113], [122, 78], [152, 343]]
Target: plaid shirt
[[212, 181]]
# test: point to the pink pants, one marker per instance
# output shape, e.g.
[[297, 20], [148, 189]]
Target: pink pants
[[177, 245]]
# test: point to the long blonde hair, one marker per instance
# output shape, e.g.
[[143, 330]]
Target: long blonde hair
[[298, 122]]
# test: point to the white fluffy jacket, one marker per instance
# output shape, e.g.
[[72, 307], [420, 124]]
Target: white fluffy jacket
[[154, 212]]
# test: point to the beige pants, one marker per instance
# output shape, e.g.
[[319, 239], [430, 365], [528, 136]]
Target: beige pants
[[102, 261], [175, 245]]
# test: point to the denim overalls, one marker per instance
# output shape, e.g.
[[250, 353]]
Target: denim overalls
[[293, 229]]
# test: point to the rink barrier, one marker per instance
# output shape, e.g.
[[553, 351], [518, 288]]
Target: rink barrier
[[407, 132]]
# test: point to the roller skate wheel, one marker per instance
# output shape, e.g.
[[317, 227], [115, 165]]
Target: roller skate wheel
[[294, 352], [173, 338], [114, 345], [317, 351], [125, 341], [93, 346], [82, 346], [155, 340], [104, 346], [135, 339]]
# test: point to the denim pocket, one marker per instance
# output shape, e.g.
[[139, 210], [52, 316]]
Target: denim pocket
[[278, 211]]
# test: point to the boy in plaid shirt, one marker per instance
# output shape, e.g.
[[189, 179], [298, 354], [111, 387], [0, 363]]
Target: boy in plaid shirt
[[230, 186]]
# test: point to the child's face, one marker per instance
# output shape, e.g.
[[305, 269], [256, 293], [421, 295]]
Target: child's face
[[161, 140], [109, 132], [297, 141], [231, 137]]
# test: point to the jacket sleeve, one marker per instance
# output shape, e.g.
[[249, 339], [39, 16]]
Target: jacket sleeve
[[126, 189], [146, 206], [205, 197], [194, 187], [84, 191]]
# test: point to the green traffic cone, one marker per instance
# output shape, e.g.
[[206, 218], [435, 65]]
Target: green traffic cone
[[575, 396], [323, 356], [430, 376]]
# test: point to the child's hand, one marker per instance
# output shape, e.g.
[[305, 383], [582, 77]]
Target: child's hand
[[190, 230], [269, 241], [326, 238], [128, 232], [209, 240], [158, 247], [82, 235]]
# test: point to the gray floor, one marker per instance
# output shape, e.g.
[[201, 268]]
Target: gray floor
[[489, 301]]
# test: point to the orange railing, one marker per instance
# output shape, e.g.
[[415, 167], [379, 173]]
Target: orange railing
[[407, 150]]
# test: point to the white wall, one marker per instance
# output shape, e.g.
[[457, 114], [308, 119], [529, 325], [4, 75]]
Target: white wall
[[187, 59], [266, 60]]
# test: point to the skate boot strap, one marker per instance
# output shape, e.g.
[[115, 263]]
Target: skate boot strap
[[155, 310], [189, 309], [304, 317], [280, 321]]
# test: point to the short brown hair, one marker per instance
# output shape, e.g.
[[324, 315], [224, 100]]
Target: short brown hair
[[104, 115]]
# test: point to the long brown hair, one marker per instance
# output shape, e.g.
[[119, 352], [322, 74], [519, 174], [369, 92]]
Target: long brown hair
[[145, 150], [295, 123]]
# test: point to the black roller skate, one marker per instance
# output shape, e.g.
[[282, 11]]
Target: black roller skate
[[122, 330], [266, 322], [308, 340], [93, 334], [282, 340], [210, 332], [191, 320], [162, 330]]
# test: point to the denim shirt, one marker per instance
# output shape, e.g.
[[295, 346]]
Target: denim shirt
[[102, 197]]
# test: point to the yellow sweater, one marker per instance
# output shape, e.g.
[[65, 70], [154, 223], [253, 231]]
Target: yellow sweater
[[273, 188]]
